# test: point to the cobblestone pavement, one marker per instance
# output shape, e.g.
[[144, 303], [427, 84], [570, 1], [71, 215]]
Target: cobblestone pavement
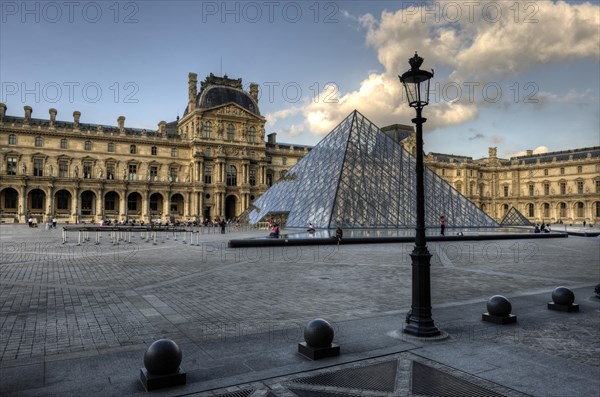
[[67, 300]]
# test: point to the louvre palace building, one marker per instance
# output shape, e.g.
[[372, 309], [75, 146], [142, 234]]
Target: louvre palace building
[[210, 163], [215, 161]]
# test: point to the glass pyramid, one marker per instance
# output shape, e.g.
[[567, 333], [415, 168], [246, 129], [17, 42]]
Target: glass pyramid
[[514, 218], [358, 177]]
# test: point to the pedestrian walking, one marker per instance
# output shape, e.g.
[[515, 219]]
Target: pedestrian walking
[[442, 224], [339, 234]]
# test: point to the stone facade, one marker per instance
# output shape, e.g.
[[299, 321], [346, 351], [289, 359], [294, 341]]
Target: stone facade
[[211, 163]]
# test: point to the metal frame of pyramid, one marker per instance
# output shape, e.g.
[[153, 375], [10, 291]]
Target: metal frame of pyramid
[[358, 177], [514, 217]]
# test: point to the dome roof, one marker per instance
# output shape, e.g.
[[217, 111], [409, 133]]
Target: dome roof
[[217, 95]]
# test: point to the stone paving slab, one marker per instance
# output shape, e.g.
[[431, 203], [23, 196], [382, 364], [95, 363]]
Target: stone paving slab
[[98, 307]]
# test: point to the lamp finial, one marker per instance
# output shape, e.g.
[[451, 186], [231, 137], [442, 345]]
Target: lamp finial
[[415, 62]]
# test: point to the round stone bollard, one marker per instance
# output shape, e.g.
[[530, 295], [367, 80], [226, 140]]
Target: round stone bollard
[[563, 296], [162, 357], [318, 336], [498, 305], [161, 362], [499, 309], [562, 300], [318, 333]]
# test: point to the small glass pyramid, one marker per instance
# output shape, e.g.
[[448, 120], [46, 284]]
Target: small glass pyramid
[[358, 177], [514, 218]]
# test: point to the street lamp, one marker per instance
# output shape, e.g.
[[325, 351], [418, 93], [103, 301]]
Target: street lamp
[[419, 321]]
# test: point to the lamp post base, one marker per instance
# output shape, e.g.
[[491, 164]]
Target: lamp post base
[[419, 322]]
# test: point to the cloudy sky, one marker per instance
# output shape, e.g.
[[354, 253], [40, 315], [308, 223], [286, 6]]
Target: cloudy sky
[[513, 74]]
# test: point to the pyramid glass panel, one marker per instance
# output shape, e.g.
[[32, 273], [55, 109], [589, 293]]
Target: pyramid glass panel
[[358, 177], [515, 218]]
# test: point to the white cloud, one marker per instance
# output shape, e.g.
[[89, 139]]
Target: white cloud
[[537, 150], [272, 118], [293, 130], [474, 49]]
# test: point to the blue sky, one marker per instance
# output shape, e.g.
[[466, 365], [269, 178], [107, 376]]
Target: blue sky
[[515, 75]]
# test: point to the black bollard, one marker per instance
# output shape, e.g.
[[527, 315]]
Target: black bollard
[[318, 336], [161, 362], [499, 309], [562, 300]]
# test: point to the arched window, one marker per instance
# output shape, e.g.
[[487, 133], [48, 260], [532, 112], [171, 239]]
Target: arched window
[[563, 210], [546, 210], [230, 132], [580, 210], [231, 175], [459, 187], [252, 177], [208, 175], [206, 129], [531, 210], [252, 135]]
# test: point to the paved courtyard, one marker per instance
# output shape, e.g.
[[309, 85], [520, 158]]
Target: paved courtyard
[[69, 303]]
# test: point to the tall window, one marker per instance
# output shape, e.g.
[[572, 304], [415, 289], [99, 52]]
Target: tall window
[[459, 187], [597, 185], [10, 198], [562, 170], [580, 187], [580, 210], [153, 173], [269, 179], [598, 210], [206, 129], [11, 165], [545, 171], [443, 171], [284, 161], [563, 210], [531, 189], [132, 202], [132, 172], [37, 199], [153, 150], [546, 210], [111, 147], [174, 152], [63, 169], [230, 132], [458, 173], [471, 188], [39, 142], [173, 174], [109, 201], [110, 171], [546, 189], [505, 209], [252, 135], [87, 170], [231, 175], [252, 177], [64, 143], [87, 145], [208, 175], [132, 149], [505, 190], [563, 188], [38, 167], [12, 139], [579, 169], [62, 200], [530, 210]]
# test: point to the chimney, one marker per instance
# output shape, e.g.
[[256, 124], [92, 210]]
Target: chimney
[[272, 138], [2, 111], [121, 122], [192, 91], [28, 111], [254, 91], [162, 127], [530, 152], [52, 117], [76, 116]]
